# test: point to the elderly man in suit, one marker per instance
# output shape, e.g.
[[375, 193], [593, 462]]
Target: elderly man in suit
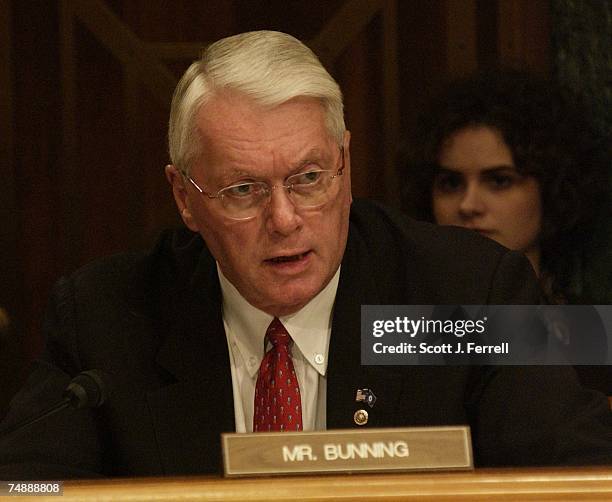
[[277, 259]]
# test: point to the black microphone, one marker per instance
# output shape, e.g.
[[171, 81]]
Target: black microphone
[[86, 390]]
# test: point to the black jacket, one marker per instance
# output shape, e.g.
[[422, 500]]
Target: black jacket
[[153, 324]]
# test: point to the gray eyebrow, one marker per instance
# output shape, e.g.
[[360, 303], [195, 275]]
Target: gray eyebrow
[[313, 155]]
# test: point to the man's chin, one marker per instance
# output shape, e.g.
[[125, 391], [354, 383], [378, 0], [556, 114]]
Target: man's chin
[[285, 307], [282, 304]]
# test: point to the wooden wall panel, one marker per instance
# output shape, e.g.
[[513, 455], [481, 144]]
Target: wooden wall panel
[[462, 37], [302, 19], [8, 201], [179, 21], [524, 34], [360, 84], [422, 28], [390, 92], [37, 132], [91, 84], [11, 292], [104, 178]]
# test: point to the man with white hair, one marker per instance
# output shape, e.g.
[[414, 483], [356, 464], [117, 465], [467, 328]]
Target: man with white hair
[[268, 279]]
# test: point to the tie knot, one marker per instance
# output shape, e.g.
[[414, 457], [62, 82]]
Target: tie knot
[[277, 334]]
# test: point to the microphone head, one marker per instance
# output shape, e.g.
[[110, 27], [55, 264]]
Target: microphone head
[[87, 390]]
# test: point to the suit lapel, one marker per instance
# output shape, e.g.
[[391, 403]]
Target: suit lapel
[[189, 413], [357, 287]]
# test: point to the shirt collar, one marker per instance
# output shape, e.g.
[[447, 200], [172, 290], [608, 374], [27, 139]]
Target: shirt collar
[[310, 327]]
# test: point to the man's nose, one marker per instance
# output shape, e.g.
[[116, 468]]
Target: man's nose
[[282, 216], [472, 203]]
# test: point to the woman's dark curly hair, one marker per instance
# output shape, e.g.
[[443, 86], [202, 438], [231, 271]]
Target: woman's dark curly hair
[[549, 134]]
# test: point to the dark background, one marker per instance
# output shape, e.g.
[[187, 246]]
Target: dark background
[[85, 87]]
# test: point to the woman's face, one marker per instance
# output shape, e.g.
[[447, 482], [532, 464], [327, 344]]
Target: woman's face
[[478, 187]]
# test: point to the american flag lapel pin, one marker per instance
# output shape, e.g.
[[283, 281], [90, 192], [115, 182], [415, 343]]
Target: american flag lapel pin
[[365, 396]]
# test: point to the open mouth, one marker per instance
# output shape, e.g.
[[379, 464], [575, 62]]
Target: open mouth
[[288, 258]]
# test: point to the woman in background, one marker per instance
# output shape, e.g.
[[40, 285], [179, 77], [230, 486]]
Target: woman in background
[[513, 158]]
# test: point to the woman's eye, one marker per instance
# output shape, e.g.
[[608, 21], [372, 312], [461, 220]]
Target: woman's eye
[[448, 182], [500, 181]]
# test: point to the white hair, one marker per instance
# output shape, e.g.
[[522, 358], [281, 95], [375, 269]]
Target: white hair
[[269, 67]]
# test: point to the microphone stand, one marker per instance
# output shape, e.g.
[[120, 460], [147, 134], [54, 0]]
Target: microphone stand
[[86, 390], [64, 403]]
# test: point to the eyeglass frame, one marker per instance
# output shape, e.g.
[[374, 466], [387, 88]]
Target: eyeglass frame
[[218, 195]]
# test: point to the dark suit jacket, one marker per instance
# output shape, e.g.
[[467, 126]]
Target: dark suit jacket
[[153, 323]]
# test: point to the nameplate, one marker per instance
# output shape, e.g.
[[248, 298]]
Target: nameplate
[[335, 451]]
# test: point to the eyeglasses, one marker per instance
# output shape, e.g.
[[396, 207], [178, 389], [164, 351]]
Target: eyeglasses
[[244, 201]]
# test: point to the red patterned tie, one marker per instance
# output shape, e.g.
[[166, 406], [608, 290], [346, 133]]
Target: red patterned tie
[[278, 405]]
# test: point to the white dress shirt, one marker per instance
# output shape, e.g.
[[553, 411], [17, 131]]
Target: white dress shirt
[[310, 329]]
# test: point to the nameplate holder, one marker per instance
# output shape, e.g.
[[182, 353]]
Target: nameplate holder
[[347, 451]]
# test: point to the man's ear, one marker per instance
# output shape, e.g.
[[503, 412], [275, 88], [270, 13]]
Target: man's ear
[[181, 197], [346, 145]]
